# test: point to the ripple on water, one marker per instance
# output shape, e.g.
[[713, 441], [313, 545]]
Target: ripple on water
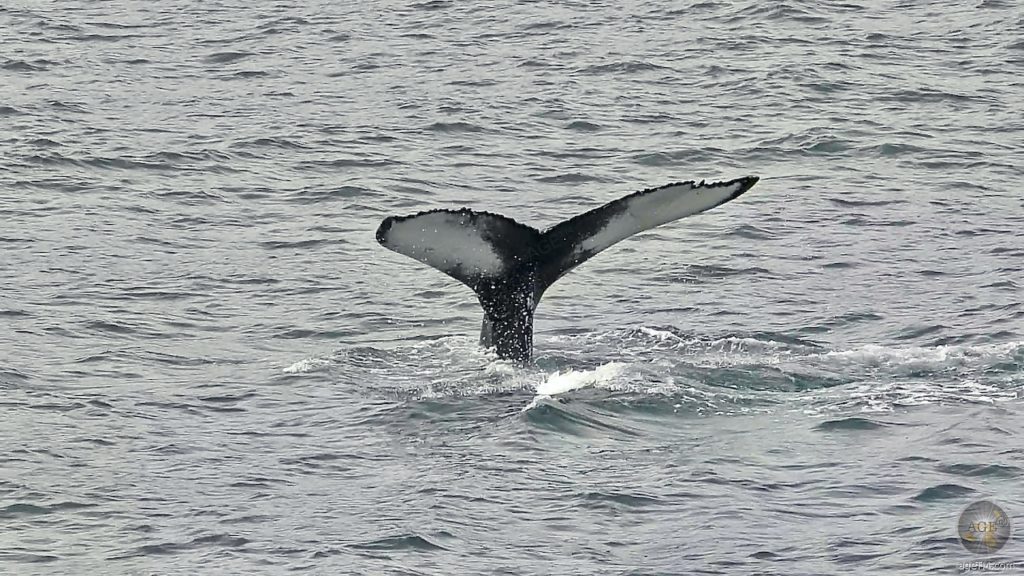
[[409, 542], [227, 57], [851, 424], [982, 470], [21, 510], [455, 128], [25, 66], [584, 126], [944, 492], [614, 500], [198, 543]]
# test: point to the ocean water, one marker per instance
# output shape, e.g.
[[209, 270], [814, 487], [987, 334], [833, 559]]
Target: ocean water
[[208, 365]]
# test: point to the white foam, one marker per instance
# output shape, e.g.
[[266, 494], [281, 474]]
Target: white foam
[[873, 355], [887, 378], [562, 382], [662, 335], [307, 365]]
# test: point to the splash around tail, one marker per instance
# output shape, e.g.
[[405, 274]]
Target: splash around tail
[[509, 265]]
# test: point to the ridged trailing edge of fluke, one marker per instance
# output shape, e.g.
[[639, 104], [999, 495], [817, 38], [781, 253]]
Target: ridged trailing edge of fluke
[[509, 265]]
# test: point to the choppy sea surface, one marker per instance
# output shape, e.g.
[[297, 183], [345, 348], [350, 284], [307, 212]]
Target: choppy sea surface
[[208, 365]]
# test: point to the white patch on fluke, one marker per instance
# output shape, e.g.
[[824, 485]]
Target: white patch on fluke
[[646, 211], [446, 241]]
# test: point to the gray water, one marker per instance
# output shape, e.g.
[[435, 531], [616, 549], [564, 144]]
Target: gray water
[[208, 365]]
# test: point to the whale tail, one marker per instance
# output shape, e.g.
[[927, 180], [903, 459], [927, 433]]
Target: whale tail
[[509, 265]]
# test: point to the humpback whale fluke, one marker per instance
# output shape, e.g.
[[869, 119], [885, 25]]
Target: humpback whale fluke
[[509, 265]]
